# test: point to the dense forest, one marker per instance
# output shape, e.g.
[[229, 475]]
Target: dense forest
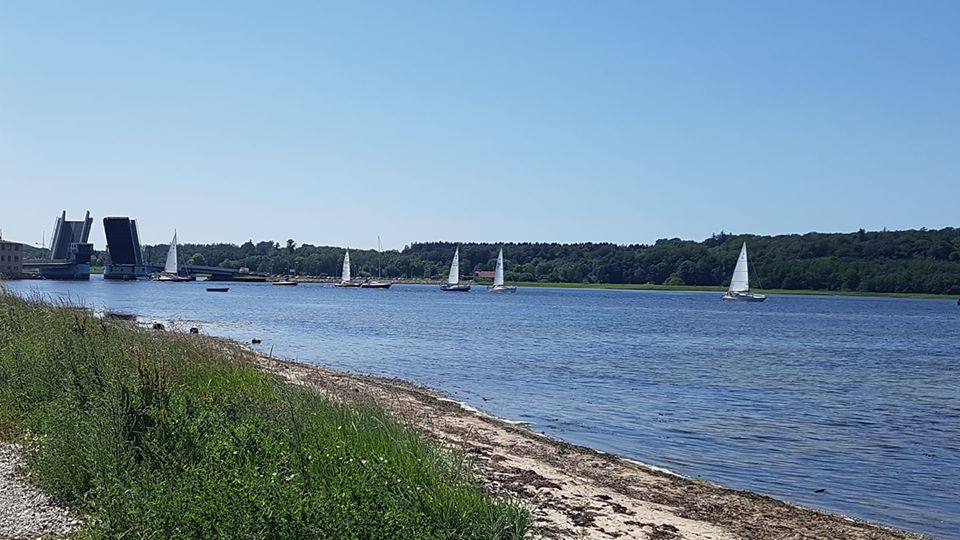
[[914, 261]]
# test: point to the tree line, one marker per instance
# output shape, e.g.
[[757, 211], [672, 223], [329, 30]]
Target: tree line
[[912, 261]]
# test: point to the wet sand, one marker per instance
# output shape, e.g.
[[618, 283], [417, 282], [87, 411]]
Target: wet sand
[[573, 491]]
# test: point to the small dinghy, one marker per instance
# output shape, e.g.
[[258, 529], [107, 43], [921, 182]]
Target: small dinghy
[[218, 289]]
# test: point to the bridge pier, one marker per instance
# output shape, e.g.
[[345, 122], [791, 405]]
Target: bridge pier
[[70, 253], [126, 272]]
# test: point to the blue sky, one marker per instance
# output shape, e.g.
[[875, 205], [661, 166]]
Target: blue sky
[[332, 123]]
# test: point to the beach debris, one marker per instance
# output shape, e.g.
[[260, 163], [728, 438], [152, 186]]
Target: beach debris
[[194, 330], [157, 326], [256, 341], [117, 315]]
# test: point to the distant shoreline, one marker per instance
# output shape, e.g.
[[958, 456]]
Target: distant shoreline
[[613, 286], [719, 289]]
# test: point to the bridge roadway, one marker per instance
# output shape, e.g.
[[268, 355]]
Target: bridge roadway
[[184, 268], [196, 269], [47, 263]]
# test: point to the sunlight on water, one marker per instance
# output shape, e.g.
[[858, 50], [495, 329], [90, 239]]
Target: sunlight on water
[[859, 397]]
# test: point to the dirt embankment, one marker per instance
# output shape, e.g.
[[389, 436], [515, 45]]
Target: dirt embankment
[[576, 492]]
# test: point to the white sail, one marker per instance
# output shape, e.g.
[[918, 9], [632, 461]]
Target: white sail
[[740, 282], [454, 276], [346, 267], [171, 265], [498, 275]]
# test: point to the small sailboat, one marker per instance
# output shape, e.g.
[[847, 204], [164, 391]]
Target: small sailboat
[[284, 282], [377, 283], [453, 280], [170, 268], [498, 285], [345, 274], [740, 282]]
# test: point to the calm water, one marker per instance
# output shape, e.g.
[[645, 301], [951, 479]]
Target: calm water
[[857, 396]]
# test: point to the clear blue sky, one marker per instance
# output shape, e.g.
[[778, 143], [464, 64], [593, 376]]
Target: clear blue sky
[[331, 123]]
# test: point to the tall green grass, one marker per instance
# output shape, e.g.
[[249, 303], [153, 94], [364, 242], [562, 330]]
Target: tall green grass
[[160, 435]]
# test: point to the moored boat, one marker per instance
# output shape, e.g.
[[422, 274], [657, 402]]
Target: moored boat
[[453, 279], [498, 283], [284, 282], [345, 276], [740, 282], [218, 289], [377, 283], [170, 267]]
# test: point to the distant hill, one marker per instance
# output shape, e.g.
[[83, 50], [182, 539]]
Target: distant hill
[[32, 252], [913, 261]]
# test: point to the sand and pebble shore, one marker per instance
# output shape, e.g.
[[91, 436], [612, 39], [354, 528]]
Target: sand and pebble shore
[[571, 491]]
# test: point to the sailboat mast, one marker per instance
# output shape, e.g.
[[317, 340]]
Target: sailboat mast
[[379, 255]]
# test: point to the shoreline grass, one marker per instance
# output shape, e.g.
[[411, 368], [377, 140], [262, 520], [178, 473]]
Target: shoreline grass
[[719, 289], [168, 435]]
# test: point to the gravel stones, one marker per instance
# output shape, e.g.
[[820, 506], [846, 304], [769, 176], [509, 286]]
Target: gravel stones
[[25, 511]]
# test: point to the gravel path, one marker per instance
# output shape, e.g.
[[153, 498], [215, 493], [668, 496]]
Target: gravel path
[[25, 511]]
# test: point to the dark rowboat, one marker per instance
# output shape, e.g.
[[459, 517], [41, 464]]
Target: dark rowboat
[[218, 289]]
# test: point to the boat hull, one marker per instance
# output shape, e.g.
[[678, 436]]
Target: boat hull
[[455, 288], [501, 289], [285, 283], [173, 278], [347, 285], [375, 285], [744, 297], [218, 289]]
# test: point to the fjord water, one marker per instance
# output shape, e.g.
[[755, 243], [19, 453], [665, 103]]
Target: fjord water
[[858, 397]]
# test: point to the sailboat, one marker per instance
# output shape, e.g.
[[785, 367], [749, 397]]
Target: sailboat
[[345, 274], [378, 283], [170, 268], [453, 280], [498, 285], [740, 282]]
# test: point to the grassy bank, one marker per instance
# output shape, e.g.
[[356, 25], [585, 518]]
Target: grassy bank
[[173, 436], [710, 288]]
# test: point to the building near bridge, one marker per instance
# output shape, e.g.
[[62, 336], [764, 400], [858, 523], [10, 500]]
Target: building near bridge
[[11, 259]]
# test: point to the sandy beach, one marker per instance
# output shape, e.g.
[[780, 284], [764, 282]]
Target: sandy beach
[[573, 491]]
